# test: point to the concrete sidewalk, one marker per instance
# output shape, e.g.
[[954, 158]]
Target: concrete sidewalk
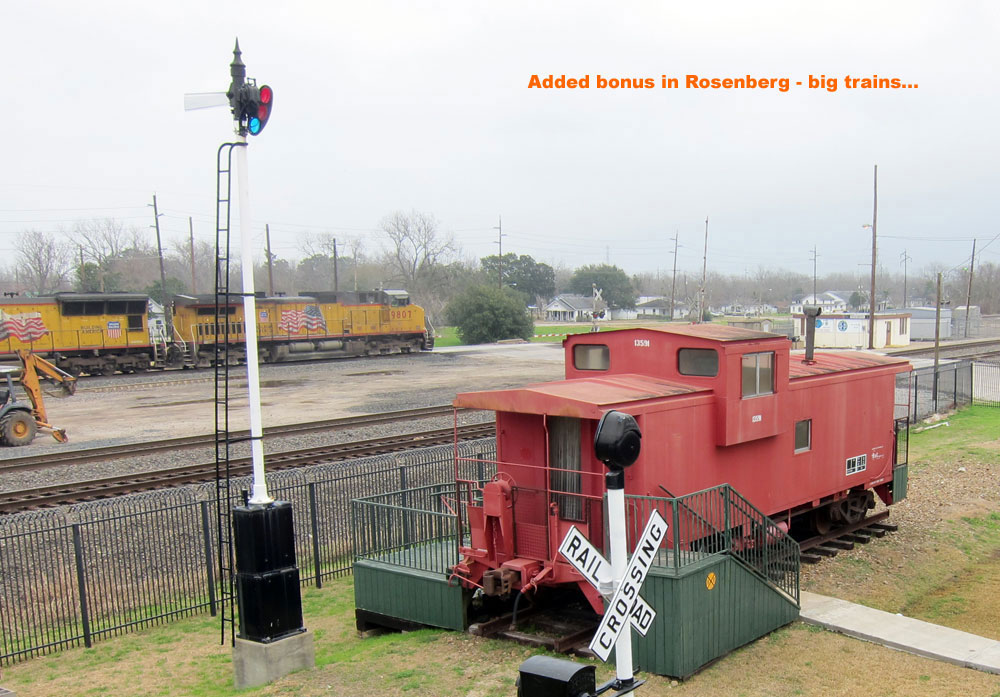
[[903, 633]]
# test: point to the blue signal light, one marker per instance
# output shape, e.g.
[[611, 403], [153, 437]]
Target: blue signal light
[[253, 125]]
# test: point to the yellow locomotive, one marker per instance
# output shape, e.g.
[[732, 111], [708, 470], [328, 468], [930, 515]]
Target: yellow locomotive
[[102, 333], [96, 333], [346, 323]]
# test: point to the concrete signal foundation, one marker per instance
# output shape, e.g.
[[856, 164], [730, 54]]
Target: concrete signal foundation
[[256, 663]]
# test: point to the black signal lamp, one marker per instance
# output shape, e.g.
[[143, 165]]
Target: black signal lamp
[[618, 440], [261, 110]]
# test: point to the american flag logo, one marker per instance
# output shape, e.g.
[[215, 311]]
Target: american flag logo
[[296, 320], [114, 330], [24, 327]]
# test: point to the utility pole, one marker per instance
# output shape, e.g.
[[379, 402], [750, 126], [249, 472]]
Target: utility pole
[[194, 280], [82, 271], [163, 275], [906, 257], [355, 245], [871, 315], [499, 229], [937, 339], [673, 279], [815, 300], [968, 299], [270, 263], [336, 279], [704, 274]]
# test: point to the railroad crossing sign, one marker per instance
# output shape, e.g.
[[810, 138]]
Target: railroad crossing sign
[[625, 605]]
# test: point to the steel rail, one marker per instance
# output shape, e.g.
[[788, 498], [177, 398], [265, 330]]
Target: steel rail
[[964, 349], [81, 456], [72, 492], [818, 540]]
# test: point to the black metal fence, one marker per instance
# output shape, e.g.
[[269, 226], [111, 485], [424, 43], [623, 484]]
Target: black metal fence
[[931, 393], [72, 576]]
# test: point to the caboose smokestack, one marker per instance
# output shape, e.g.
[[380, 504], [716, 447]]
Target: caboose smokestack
[[811, 313]]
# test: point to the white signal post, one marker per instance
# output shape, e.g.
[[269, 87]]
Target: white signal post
[[619, 582], [620, 612], [592, 565], [258, 493]]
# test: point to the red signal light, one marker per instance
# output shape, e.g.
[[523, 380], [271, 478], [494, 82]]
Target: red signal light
[[261, 110]]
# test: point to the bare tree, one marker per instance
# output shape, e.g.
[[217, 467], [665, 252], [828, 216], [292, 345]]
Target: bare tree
[[417, 249], [105, 240], [123, 258], [43, 264]]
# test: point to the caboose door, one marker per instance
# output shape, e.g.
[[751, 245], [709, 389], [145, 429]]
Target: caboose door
[[564, 464]]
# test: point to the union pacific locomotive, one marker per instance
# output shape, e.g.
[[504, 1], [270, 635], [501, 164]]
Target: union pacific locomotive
[[102, 333], [367, 323], [808, 439]]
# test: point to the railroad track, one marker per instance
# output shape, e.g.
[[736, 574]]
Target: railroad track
[[965, 349], [78, 457], [75, 492], [816, 548]]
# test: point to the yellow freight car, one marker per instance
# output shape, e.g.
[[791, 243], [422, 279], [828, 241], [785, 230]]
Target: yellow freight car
[[96, 333], [347, 323]]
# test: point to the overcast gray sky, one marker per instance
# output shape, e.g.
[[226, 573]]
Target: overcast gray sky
[[381, 106]]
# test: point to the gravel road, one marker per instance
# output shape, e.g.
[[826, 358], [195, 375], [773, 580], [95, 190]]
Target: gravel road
[[113, 411]]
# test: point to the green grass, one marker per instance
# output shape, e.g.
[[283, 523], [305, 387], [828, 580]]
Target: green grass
[[971, 434], [446, 336]]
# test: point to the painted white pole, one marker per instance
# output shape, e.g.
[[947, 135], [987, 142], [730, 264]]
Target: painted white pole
[[619, 562], [258, 493]]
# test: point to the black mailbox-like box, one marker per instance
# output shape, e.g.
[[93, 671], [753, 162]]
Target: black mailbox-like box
[[267, 580], [264, 537], [544, 676], [270, 605]]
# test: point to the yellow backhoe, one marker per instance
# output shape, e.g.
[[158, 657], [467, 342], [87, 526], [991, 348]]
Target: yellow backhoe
[[20, 420]]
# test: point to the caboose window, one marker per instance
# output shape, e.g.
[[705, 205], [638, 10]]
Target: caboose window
[[803, 435], [591, 357], [701, 362], [758, 374]]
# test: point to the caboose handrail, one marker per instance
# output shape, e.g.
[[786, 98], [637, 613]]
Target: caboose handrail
[[719, 520]]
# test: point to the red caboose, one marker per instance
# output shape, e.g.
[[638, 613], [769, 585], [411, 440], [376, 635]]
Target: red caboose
[[802, 440]]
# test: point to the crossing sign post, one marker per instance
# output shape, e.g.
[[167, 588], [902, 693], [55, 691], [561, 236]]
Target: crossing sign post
[[626, 606], [592, 565], [616, 444]]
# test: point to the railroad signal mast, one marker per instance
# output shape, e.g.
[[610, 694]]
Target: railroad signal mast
[[251, 107], [272, 640]]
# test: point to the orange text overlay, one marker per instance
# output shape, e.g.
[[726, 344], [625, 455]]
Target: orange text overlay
[[704, 82]]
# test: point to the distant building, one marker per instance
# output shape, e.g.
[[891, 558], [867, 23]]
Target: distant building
[[570, 308], [922, 324], [829, 301], [660, 307], [850, 330], [958, 321], [749, 309]]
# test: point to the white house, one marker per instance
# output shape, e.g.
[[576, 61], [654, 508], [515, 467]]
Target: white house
[[829, 301], [570, 308]]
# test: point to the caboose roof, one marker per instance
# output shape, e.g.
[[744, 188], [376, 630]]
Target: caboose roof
[[826, 362], [581, 397], [713, 332]]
